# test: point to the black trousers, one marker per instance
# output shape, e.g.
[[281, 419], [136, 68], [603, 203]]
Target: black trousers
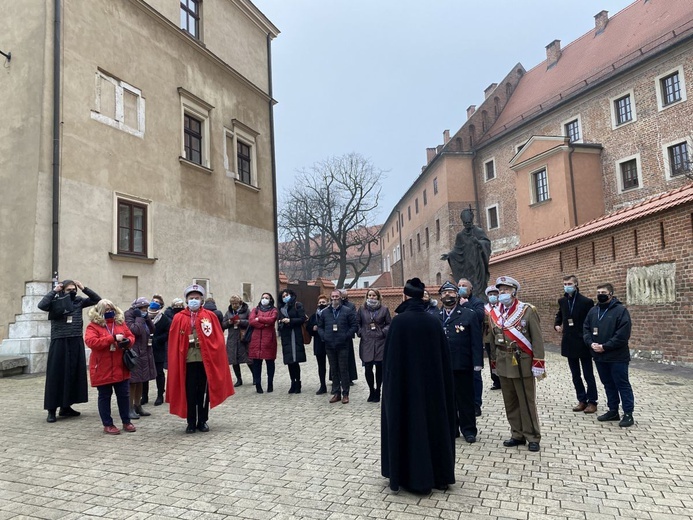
[[196, 393], [322, 367], [464, 401], [339, 368]]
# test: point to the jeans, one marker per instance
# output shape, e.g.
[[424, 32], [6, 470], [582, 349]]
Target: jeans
[[614, 377], [122, 391], [589, 395], [339, 368]]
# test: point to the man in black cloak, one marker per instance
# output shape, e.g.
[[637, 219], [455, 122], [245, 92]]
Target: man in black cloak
[[418, 419]]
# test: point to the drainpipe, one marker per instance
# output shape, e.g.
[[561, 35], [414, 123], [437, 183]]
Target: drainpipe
[[572, 184], [56, 141], [272, 153], [401, 247]]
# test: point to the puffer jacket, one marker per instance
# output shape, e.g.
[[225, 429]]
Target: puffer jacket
[[106, 364], [263, 342]]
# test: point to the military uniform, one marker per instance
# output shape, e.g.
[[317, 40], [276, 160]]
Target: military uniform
[[516, 331]]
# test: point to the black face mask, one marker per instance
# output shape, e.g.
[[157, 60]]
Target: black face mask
[[602, 298], [176, 310], [73, 295], [322, 306], [449, 301]]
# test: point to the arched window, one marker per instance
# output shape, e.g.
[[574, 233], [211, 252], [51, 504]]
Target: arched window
[[508, 90], [439, 280], [496, 106]]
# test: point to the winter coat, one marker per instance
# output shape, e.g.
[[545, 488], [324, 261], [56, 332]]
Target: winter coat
[[160, 338], [477, 305], [236, 322], [574, 309], [213, 307], [141, 326], [318, 343], [372, 329], [293, 349], [69, 325], [613, 332], [263, 342], [106, 365], [345, 319], [463, 333], [432, 308]]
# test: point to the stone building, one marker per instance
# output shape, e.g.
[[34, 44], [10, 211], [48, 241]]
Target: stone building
[[137, 143]]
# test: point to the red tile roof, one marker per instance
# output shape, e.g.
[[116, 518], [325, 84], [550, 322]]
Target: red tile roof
[[384, 280], [630, 35], [661, 202]]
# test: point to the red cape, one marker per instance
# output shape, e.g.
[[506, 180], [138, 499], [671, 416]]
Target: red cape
[[213, 348]]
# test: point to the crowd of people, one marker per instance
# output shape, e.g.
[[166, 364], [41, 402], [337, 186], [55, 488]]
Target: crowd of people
[[425, 364]]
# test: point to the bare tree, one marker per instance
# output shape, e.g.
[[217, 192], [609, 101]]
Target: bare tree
[[325, 220]]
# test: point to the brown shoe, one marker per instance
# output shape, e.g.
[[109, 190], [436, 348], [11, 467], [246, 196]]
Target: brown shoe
[[345, 399], [336, 398], [591, 408], [580, 407]]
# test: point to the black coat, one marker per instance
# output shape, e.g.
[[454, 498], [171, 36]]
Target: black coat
[[318, 343], [346, 327], [477, 305], [213, 307], [418, 416], [160, 338], [293, 349], [576, 309], [613, 332], [463, 333]]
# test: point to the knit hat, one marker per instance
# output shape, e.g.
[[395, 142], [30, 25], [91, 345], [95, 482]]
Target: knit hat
[[414, 288]]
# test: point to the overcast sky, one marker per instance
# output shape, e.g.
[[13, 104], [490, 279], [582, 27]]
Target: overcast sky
[[385, 78]]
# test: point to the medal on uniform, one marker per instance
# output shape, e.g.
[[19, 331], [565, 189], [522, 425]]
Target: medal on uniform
[[570, 322], [334, 328], [514, 363], [595, 331], [206, 327]]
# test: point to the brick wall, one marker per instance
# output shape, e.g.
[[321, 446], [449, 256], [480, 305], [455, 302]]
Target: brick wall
[[660, 331]]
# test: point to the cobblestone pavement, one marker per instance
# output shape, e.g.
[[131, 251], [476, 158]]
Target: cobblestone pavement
[[296, 456]]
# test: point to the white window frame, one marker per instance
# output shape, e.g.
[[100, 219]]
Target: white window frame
[[614, 112], [488, 219], [619, 176], [204, 282], [532, 186], [250, 292], [150, 234], [667, 162], [495, 175], [119, 121], [658, 88], [248, 136], [519, 146], [564, 132], [201, 110]]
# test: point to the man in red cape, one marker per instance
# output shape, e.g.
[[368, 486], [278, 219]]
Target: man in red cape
[[198, 369]]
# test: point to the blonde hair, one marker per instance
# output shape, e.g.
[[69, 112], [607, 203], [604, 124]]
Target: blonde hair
[[235, 298], [97, 311]]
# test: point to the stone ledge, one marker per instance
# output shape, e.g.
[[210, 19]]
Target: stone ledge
[[12, 366]]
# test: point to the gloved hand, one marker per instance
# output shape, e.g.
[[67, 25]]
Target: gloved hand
[[137, 313], [538, 372], [538, 367]]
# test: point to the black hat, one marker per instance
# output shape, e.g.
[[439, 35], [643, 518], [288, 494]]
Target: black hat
[[414, 288], [447, 286]]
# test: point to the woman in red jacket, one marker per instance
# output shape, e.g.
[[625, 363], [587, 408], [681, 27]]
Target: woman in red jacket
[[107, 335], [263, 340]]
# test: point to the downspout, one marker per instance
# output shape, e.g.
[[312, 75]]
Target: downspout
[[572, 184], [56, 141], [272, 154], [401, 247]]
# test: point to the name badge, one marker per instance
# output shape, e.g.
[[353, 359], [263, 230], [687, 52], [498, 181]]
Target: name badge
[[372, 326], [334, 328], [68, 319], [191, 338], [570, 322], [595, 331], [113, 347]]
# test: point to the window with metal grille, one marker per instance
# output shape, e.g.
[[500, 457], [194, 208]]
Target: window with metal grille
[[572, 130], [132, 228], [243, 157], [193, 139], [629, 174], [623, 110], [679, 162], [540, 183], [671, 88], [190, 17]]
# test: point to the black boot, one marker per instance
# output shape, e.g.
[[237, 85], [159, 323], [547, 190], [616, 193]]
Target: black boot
[[270, 387], [159, 400], [237, 371], [51, 416], [298, 387], [292, 390], [376, 396], [259, 389], [145, 393], [322, 389]]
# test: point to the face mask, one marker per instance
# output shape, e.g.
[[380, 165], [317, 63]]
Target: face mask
[[176, 310], [569, 289], [449, 301], [602, 298], [264, 302], [462, 291], [286, 299], [371, 302], [322, 306], [505, 298], [194, 305], [493, 299], [73, 295], [109, 315]]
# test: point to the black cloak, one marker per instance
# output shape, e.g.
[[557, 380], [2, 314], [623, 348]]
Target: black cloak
[[418, 419]]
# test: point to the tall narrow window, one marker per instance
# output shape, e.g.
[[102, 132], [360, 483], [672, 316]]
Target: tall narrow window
[[437, 230], [425, 199], [418, 242], [671, 88], [572, 130], [132, 228], [435, 186], [623, 110], [492, 217], [193, 139], [540, 186], [490, 169], [679, 162], [190, 17], [243, 158], [427, 238], [629, 174], [416, 205]]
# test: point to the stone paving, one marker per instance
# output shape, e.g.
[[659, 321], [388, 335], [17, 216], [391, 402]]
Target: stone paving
[[296, 456]]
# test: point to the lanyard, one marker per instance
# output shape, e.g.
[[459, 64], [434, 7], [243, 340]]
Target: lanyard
[[110, 331], [336, 314], [571, 304], [600, 316], [447, 316], [193, 317]]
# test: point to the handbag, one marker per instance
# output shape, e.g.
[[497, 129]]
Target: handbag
[[306, 335], [248, 334], [130, 358], [60, 306]]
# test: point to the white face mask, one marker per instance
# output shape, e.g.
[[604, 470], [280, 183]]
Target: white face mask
[[505, 298], [265, 302], [194, 305]]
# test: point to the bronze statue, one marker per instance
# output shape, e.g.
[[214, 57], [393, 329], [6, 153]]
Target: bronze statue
[[469, 258]]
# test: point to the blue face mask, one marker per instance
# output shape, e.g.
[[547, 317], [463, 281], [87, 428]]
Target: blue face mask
[[505, 298], [194, 305], [109, 315], [493, 299], [569, 289], [286, 299], [463, 292]]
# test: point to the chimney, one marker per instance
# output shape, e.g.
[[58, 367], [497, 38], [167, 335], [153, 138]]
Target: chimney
[[553, 53], [446, 136], [490, 89], [470, 111], [600, 21], [430, 155]]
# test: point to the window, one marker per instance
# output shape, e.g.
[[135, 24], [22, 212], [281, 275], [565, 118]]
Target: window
[[435, 186], [240, 160], [411, 247], [679, 160], [437, 230], [671, 88], [540, 186], [490, 169], [243, 157], [571, 129], [492, 217], [365, 285], [629, 174], [409, 212], [623, 111], [195, 114], [397, 257], [118, 104], [427, 238], [204, 282], [190, 17], [132, 228], [425, 199], [418, 242], [416, 205], [247, 292]]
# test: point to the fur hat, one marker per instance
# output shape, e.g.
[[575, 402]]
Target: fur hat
[[414, 288]]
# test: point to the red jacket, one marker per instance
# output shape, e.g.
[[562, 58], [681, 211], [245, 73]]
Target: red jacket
[[105, 365], [263, 342]]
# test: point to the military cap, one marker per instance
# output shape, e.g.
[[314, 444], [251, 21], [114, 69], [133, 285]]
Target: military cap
[[491, 288], [508, 281], [448, 286], [194, 288]]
